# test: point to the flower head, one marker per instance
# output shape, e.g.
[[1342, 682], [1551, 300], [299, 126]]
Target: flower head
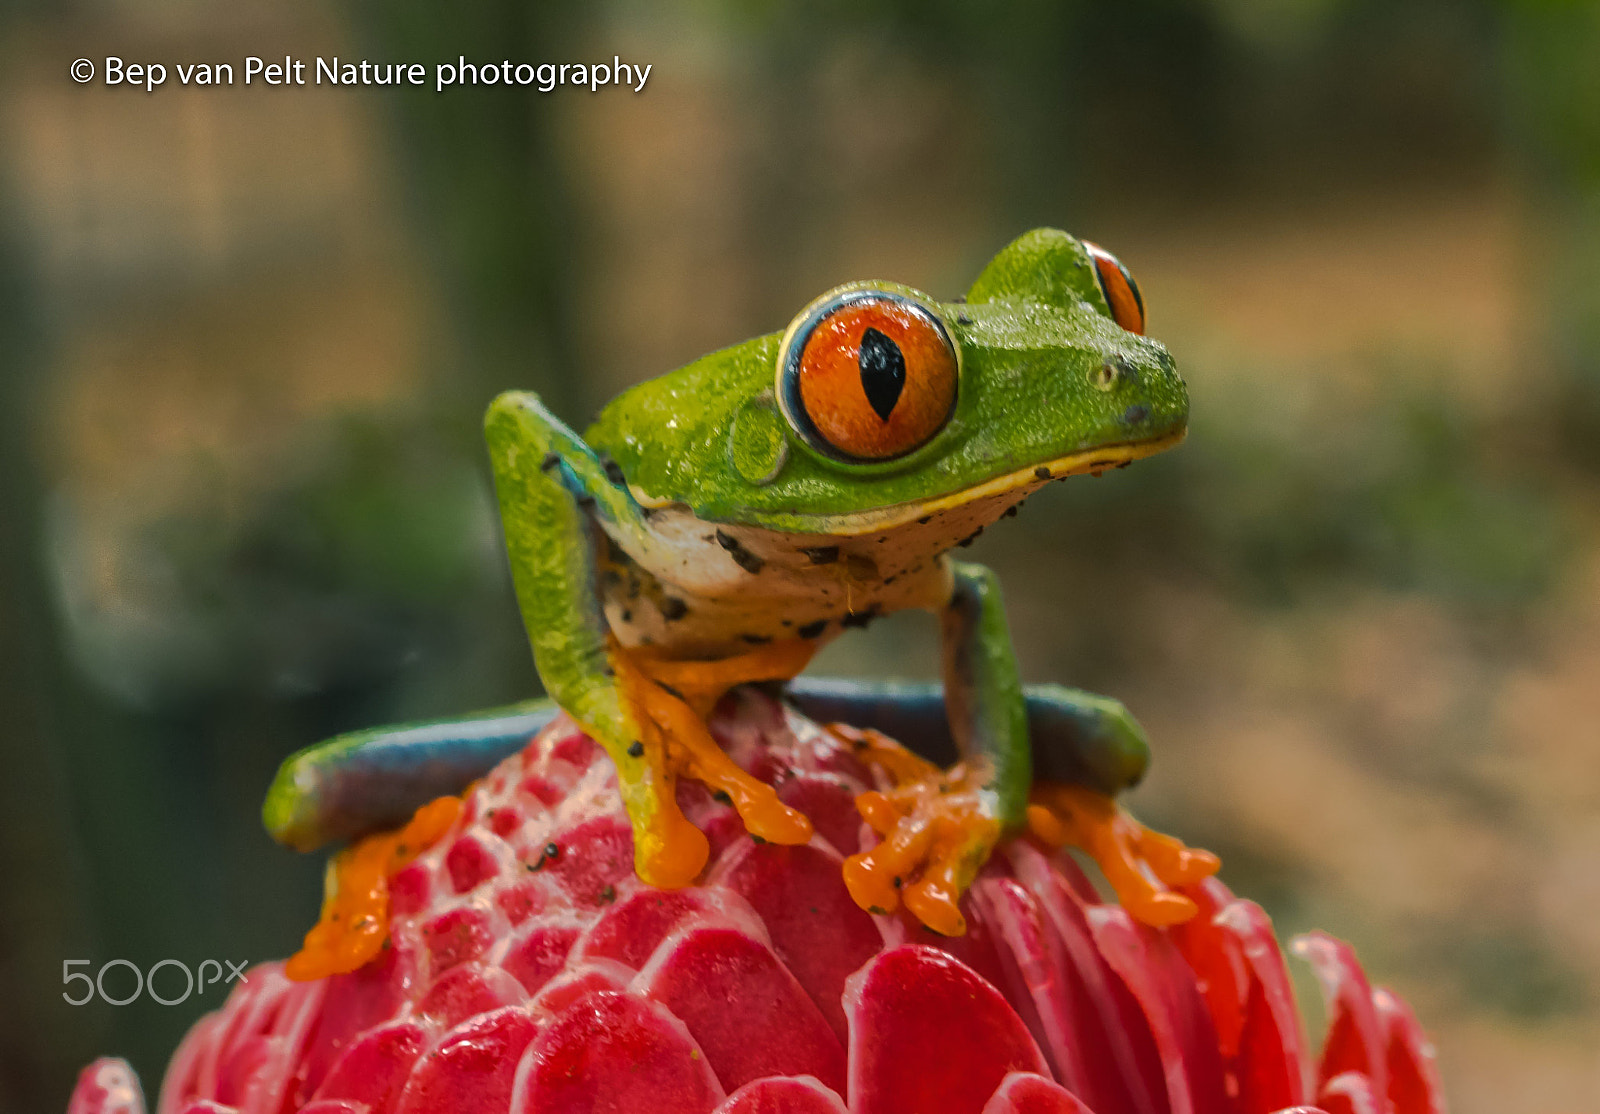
[[528, 970]]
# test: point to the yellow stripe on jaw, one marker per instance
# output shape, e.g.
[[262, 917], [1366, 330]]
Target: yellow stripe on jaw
[[888, 518]]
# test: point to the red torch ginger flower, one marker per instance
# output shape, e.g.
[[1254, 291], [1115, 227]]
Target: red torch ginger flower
[[528, 971]]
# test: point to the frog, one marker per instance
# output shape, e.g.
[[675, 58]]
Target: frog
[[718, 525]]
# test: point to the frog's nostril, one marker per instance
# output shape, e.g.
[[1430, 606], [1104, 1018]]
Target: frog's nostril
[[1136, 413]]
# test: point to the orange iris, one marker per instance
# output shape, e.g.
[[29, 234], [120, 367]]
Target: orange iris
[[1122, 293], [877, 378]]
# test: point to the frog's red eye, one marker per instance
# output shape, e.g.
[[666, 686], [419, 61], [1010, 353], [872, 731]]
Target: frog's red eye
[[1122, 293], [868, 374]]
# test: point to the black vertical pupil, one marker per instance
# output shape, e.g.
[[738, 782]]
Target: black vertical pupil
[[883, 372]]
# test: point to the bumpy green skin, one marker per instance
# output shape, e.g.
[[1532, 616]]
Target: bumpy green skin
[[1033, 334], [1033, 330]]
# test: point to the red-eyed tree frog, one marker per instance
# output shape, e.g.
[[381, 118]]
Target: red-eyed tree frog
[[718, 525]]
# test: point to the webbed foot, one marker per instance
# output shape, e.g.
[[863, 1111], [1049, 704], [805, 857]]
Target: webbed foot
[[672, 699], [354, 922], [938, 828], [1142, 866]]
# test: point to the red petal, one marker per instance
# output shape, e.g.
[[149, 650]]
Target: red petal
[[1270, 1069], [580, 982], [576, 748], [472, 1067], [929, 1036], [455, 936], [258, 1073], [354, 1003], [207, 1106], [1215, 956], [335, 1106], [1350, 1092], [1355, 1038], [630, 930], [1414, 1086], [467, 991], [471, 861], [592, 859], [182, 1081], [409, 889], [744, 1009], [1121, 1065], [1021, 1093], [542, 952], [830, 802], [375, 1067], [613, 1053], [1163, 985], [1033, 971], [816, 929], [522, 899], [107, 1086], [780, 1095]]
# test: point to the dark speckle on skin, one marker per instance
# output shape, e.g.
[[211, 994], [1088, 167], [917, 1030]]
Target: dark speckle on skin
[[859, 618], [1010, 512], [1041, 473], [1136, 413], [742, 557], [970, 538], [963, 319], [673, 608], [551, 460], [613, 471], [924, 520], [821, 554], [756, 639], [811, 630]]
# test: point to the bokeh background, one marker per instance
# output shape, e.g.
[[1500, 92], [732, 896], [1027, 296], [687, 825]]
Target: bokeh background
[[248, 335]]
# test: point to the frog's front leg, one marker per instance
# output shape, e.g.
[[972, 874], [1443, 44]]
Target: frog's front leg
[[940, 826], [556, 500]]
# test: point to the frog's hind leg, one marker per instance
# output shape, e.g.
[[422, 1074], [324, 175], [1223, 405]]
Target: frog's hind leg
[[1047, 758], [1074, 736], [1140, 864], [367, 781], [557, 499]]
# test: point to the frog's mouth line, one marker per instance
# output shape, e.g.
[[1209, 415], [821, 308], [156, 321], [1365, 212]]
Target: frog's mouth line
[[1097, 459]]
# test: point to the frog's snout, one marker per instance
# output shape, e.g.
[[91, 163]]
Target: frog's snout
[[1146, 399]]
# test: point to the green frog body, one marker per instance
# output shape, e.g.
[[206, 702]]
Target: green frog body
[[717, 525]]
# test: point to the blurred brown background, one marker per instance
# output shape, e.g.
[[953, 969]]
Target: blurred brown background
[[248, 334]]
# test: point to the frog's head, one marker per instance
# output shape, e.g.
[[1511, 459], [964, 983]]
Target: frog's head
[[879, 406]]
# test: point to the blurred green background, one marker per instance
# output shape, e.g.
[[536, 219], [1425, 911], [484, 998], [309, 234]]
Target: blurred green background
[[248, 335]]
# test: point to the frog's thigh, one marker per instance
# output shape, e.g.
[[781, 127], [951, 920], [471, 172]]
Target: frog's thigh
[[1085, 739], [367, 781], [552, 488], [1075, 737]]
